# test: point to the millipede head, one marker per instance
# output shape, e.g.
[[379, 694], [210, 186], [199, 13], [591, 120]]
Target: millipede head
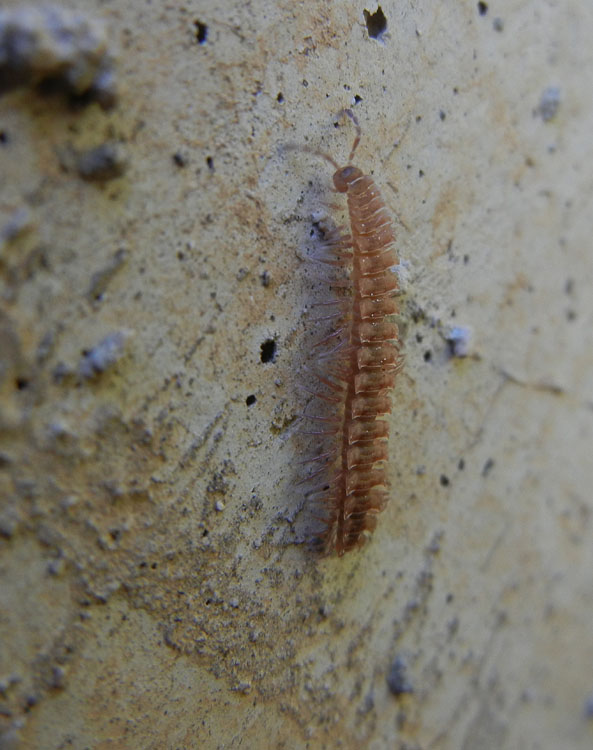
[[344, 176]]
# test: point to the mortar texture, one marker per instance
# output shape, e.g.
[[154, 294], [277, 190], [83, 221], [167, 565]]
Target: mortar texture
[[158, 585]]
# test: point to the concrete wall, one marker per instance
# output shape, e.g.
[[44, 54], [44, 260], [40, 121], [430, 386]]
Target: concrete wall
[[158, 585]]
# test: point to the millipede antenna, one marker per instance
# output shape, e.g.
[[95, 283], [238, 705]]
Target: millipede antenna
[[352, 116]]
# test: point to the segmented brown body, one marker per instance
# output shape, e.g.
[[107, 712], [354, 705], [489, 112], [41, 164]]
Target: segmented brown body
[[362, 369]]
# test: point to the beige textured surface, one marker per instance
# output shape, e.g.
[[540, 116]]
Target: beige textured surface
[[157, 585]]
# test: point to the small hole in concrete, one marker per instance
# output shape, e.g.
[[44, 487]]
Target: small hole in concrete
[[280, 97], [482, 8], [268, 351], [376, 23], [179, 159], [250, 400], [201, 32], [210, 163], [3, 136], [487, 468]]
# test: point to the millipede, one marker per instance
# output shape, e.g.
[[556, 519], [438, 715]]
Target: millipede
[[357, 364]]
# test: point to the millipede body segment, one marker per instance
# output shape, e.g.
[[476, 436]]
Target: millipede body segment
[[359, 371]]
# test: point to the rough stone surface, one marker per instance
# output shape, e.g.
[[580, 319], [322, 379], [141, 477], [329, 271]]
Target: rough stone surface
[[158, 585]]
